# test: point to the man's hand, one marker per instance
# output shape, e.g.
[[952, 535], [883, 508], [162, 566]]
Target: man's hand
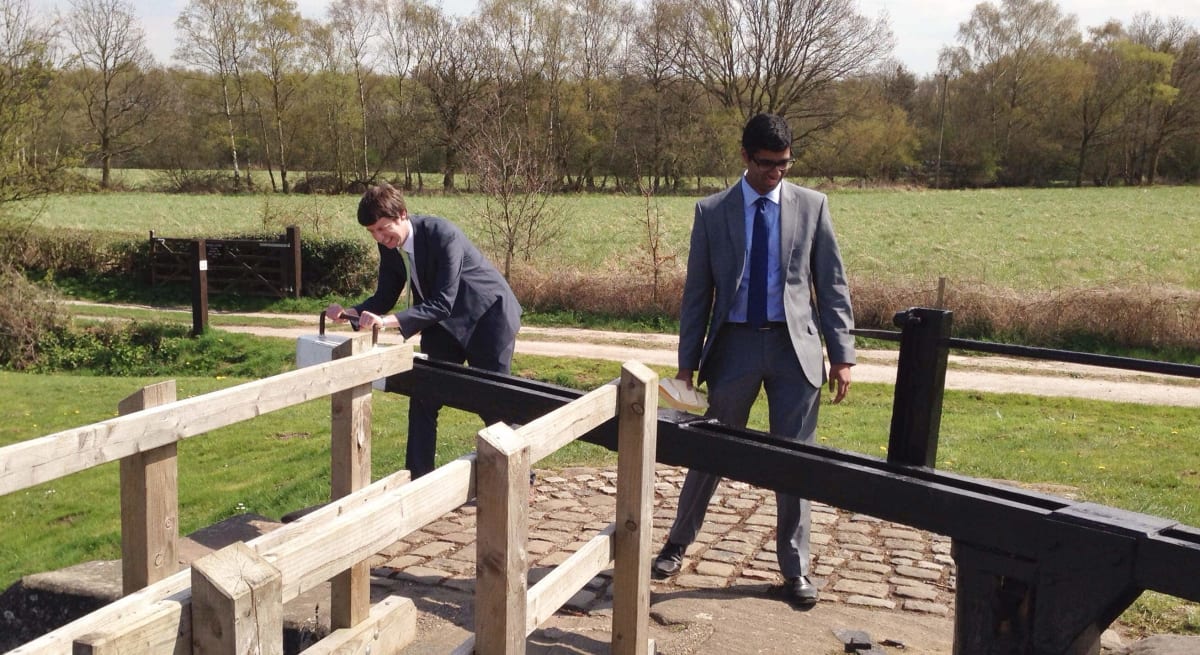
[[338, 313], [685, 374], [839, 381]]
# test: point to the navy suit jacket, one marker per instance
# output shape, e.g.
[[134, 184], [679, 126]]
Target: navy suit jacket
[[459, 284]]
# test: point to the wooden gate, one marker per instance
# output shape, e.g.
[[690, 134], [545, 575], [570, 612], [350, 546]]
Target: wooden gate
[[261, 267]]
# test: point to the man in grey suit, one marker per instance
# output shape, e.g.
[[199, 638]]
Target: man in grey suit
[[765, 282], [461, 306]]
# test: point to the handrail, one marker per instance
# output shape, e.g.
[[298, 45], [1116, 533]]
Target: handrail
[[1052, 354], [53, 456]]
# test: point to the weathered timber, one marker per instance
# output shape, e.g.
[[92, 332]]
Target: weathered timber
[[50, 457], [149, 501], [501, 560], [350, 470], [634, 528]]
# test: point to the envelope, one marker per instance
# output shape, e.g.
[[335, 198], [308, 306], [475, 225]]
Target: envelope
[[677, 395]]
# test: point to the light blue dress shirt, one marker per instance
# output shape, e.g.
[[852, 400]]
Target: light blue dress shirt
[[774, 272]]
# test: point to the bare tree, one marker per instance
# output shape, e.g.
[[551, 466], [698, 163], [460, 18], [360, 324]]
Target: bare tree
[[600, 29], [400, 22], [214, 37], [653, 118], [515, 182], [119, 94], [279, 56], [781, 56], [453, 69], [329, 100], [353, 25]]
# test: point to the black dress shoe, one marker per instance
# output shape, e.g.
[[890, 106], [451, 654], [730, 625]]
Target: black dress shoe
[[800, 591], [668, 562]]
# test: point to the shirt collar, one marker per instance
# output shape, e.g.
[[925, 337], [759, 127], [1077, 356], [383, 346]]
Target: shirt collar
[[750, 196], [407, 244]]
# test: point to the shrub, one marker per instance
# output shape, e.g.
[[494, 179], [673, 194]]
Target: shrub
[[190, 181], [32, 316], [158, 349], [64, 251], [336, 266], [111, 349]]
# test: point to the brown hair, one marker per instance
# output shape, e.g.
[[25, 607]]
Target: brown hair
[[381, 201]]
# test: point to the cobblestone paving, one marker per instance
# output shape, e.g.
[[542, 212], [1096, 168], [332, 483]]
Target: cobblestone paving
[[857, 559]]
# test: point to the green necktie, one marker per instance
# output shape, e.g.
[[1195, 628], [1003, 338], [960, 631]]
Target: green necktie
[[408, 269]]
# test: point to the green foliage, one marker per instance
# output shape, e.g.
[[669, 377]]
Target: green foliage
[[337, 266], [156, 348], [32, 315], [65, 251]]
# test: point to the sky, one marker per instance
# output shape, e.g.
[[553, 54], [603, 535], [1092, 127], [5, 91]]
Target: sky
[[921, 27]]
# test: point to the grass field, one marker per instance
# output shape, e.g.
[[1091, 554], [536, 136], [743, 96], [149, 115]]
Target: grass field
[[1139, 458], [1021, 239], [1136, 457]]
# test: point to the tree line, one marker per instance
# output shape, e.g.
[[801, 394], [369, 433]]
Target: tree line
[[561, 95]]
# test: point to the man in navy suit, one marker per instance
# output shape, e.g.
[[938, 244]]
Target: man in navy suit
[[462, 306], [765, 283]]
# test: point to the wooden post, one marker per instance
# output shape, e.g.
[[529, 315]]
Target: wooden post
[[920, 384], [237, 603], [199, 287], [293, 267], [149, 501], [637, 430], [501, 563], [350, 470], [153, 260]]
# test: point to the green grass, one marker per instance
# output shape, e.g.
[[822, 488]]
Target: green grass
[[1140, 458], [1008, 238]]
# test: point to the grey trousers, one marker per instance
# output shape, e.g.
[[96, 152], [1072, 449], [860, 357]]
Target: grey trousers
[[740, 363]]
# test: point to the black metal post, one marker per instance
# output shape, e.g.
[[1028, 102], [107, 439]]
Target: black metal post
[[199, 287], [920, 383]]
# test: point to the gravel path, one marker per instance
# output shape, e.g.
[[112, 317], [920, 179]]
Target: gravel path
[[968, 373]]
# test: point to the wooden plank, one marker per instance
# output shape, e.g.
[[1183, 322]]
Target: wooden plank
[[552, 591], [637, 429], [139, 631], [157, 619], [350, 470], [149, 501], [551, 431], [390, 627], [308, 557], [237, 603], [47, 458], [501, 561]]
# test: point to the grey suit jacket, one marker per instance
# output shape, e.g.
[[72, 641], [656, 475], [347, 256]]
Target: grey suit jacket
[[811, 262], [459, 284]]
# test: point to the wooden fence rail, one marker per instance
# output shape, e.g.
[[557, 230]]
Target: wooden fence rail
[[231, 600]]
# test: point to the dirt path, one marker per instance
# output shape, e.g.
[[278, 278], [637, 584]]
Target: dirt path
[[989, 374], [971, 373]]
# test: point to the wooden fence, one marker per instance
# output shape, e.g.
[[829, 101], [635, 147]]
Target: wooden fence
[[232, 600], [265, 267]]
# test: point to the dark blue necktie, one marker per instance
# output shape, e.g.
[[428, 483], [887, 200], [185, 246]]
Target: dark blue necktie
[[756, 303]]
